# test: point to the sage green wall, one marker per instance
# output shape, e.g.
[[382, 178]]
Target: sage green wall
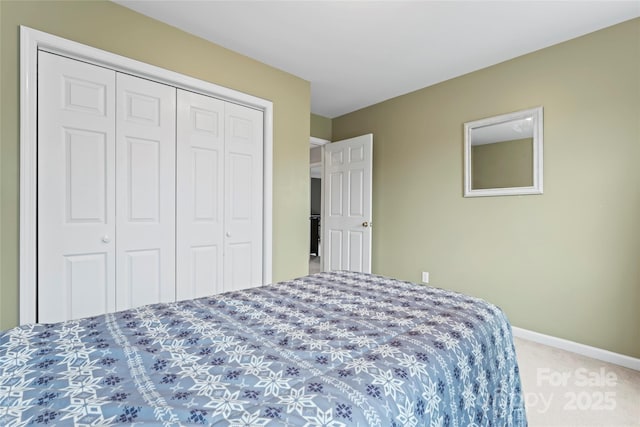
[[111, 27], [565, 263], [320, 127], [502, 164]]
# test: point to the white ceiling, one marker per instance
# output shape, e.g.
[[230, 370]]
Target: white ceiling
[[358, 53]]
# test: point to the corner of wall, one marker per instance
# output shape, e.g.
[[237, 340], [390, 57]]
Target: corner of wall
[[321, 127]]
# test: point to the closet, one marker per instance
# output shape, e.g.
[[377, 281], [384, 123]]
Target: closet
[[146, 192]]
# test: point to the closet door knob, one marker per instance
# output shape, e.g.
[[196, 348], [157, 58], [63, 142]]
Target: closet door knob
[[106, 239], [228, 234]]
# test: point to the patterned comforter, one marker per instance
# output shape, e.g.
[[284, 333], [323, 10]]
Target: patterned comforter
[[331, 349]]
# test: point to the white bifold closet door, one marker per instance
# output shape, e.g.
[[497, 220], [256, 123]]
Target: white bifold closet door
[[200, 203], [219, 196], [106, 190], [243, 199], [146, 193], [76, 189]]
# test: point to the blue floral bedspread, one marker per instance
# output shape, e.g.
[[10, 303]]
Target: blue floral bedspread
[[331, 349]]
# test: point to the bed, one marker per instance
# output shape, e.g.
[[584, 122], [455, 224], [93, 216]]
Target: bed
[[329, 349]]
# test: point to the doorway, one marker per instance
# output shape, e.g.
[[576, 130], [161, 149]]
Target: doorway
[[315, 204]]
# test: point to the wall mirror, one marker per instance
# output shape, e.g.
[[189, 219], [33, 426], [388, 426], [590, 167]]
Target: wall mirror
[[503, 154]]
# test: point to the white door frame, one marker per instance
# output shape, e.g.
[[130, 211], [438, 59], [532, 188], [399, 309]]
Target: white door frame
[[33, 40], [315, 142]]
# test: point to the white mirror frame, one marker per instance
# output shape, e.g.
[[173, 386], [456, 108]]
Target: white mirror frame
[[536, 115]]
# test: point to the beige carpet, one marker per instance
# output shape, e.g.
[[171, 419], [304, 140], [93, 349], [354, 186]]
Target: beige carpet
[[566, 389]]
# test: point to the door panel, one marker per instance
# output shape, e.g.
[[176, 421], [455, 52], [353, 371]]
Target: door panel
[[76, 193], [205, 270], [240, 168], [356, 188], [336, 158], [206, 192], [243, 200], [347, 211], [143, 269], [86, 168], [200, 177], [356, 250], [336, 193], [82, 94], [238, 257], [333, 252], [143, 179], [139, 107], [86, 285], [145, 188]]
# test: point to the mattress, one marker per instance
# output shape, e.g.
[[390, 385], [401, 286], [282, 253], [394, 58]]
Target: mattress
[[329, 349]]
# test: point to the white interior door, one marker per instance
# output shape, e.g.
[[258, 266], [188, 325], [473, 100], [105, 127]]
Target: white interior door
[[200, 201], [145, 189], [243, 200], [76, 189], [347, 218]]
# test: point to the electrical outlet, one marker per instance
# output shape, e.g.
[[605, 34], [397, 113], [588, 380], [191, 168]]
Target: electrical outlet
[[425, 277]]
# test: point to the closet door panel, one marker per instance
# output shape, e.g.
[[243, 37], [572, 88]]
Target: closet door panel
[[239, 258], [243, 197], [144, 185], [200, 177], [86, 285], [76, 194], [145, 188], [144, 271]]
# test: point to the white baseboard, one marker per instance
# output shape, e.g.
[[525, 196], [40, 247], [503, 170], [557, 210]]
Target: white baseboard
[[585, 350]]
